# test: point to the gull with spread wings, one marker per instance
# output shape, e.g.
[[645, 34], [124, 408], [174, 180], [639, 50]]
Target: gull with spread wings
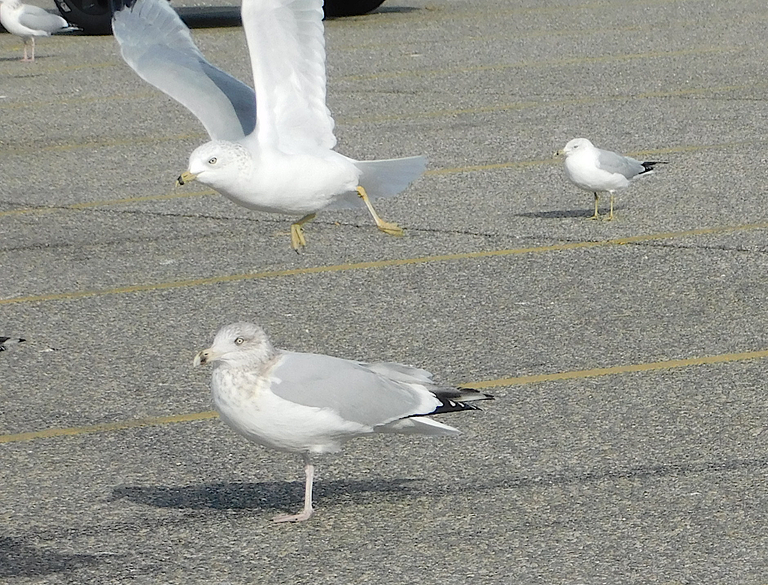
[[271, 149]]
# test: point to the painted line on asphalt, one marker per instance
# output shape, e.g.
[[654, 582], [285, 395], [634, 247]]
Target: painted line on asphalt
[[432, 172], [484, 384], [374, 264], [625, 369], [476, 12], [566, 62], [528, 105], [106, 203], [106, 427]]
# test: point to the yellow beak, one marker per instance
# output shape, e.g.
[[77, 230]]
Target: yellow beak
[[185, 177], [201, 358]]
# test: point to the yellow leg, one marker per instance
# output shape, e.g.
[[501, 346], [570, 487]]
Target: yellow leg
[[597, 213], [610, 215], [297, 232], [386, 226]]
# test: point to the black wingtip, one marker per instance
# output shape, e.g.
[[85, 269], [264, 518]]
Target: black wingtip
[[480, 395], [459, 399], [648, 165], [7, 341]]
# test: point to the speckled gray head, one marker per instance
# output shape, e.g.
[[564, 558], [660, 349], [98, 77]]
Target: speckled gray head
[[237, 344]]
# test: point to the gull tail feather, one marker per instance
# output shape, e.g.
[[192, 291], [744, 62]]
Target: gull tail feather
[[457, 399], [417, 426], [383, 178], [451, 400], [649, 165]]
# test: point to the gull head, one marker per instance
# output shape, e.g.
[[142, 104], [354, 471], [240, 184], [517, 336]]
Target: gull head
[[575, 146], [218, 164], [241, 344]]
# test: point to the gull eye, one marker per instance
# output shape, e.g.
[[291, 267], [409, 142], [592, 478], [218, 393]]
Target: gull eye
[[212, 160], [239, 341]]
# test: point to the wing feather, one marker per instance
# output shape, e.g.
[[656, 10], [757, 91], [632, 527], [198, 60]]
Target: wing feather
[[157, 45], [615, 163], [36, 18], [287, 48], [352, 389]]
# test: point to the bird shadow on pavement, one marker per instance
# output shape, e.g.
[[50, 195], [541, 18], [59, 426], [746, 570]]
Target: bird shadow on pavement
[[18, 559], [264, 495], [595, 475]]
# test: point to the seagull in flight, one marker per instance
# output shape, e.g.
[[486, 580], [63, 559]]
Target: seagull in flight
[[271, 149], [596, 170], [312, 403]]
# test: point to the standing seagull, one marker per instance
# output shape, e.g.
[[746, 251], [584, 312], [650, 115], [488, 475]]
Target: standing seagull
[[312, 403], [596, 170], [272, 149], [29, 22]]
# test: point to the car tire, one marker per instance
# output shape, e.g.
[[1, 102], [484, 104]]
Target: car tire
[[94, 16], [335, 8]]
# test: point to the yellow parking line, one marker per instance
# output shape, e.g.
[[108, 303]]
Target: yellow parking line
[[128, 141], [431, 172], [106, 203], [105, 427], [527, 105], [517, 381], [375, 264], [626, 369], [127, 200], [542, 64], [16, 105]]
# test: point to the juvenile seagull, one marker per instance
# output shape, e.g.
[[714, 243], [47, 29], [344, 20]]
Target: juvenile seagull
[[272, 149], [596, 170], [311, 403], [29, 22], [6, 342]]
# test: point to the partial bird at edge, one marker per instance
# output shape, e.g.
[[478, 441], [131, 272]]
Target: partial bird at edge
[[28, 22], [7, 342]]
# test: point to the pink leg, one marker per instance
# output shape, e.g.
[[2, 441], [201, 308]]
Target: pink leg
[[27, 59], [309, 471]]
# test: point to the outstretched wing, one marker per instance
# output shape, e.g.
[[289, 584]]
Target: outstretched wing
[[158, 47], [287, 48]]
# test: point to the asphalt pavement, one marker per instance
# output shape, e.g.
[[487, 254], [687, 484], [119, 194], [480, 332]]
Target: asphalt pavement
[[628, 442]]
